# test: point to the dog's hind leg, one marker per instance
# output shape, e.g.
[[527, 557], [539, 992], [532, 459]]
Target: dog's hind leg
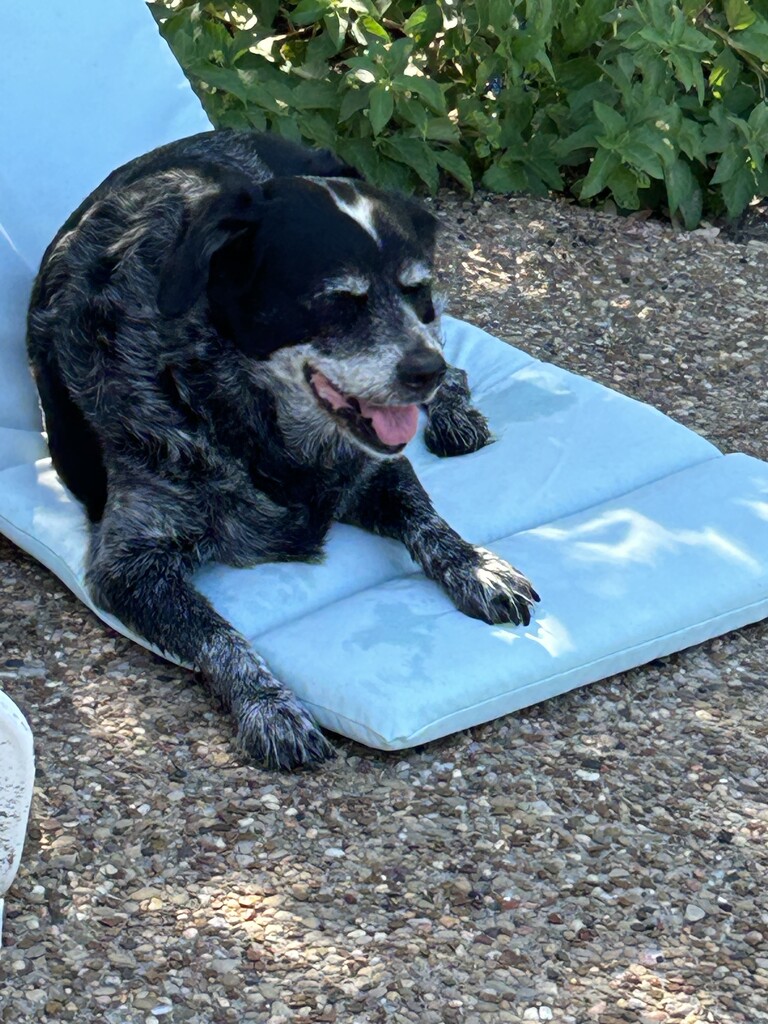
[[144, 581], [454, 426]]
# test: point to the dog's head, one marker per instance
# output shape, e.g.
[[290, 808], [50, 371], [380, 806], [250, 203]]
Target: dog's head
[[330, 281]]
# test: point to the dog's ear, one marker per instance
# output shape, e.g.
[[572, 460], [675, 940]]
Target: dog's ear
[[216, 222], [325, 164], [290, 159]]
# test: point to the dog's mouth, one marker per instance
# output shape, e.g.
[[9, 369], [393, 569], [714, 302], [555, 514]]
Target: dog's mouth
[[386, 428]]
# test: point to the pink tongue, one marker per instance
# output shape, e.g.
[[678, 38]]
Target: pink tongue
[[394, 424]]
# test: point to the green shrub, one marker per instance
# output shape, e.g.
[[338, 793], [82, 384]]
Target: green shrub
[[656, 103]]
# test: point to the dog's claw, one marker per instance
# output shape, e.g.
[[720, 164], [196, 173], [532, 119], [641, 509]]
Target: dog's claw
[[490, 589], [275, 730]]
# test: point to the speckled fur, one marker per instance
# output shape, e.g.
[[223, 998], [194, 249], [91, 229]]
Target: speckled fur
[[190, 441]]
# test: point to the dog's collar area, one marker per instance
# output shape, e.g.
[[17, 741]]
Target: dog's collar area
[[385, 428]]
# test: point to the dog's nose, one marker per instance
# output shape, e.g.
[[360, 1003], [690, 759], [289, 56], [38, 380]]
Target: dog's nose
[[421, 370]]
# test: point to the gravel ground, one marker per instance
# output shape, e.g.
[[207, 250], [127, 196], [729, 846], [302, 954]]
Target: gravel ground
[[598, 858]]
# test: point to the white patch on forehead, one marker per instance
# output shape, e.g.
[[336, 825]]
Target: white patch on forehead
[[413, 274], [361, 209], [351, 284]]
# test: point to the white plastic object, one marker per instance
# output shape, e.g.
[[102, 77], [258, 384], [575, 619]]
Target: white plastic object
[[17, 776]]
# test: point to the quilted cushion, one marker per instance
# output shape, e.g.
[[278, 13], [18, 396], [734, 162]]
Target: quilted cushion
[[641, 537]]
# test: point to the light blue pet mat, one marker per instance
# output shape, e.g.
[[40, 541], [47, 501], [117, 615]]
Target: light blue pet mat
[[641, 537]]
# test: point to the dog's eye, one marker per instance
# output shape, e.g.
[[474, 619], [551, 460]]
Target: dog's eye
[[415, 290], [341, 305], [420, 297]]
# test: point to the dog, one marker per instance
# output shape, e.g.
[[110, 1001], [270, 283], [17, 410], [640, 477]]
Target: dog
[[231, 339]]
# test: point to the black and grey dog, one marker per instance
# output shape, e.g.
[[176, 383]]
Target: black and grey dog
[[232, 337]]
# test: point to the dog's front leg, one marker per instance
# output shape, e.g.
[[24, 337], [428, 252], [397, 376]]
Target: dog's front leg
[[391, 501], [454, 426], [145, 583]]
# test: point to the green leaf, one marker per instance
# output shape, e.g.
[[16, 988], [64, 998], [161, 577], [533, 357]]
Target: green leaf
[[395, 176], [320, 49], [265, 10], [542, 57], [538, 157], [611, 119], [395, 57], [582, 99], [582, 138], [429, 91], [313, 95], [247, 86], [317, 128], [499, 16], [381, 108], [237, 83], [658, 142], [581, 23], [352, 101], [655, 38], [360, 7], [603, 164], [441, 129], [624, 183], [730, 165], [686, 67], [739, 191], [506, 178], [307, 11], [758, 121], [415, 154], [363, 69], [242, 119], [411, 111], [336, 29], [689, 138], [424, 24], [361, 154], [642, 157], [683, 193], [373, 28], [487, 69], [718, 133], [724, 73], [754, 40], [456, 167], [288, 128], [739, 14]]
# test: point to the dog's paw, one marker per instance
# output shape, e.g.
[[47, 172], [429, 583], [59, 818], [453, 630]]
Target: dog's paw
[[275, 730], [456, 430], [486, 587]]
